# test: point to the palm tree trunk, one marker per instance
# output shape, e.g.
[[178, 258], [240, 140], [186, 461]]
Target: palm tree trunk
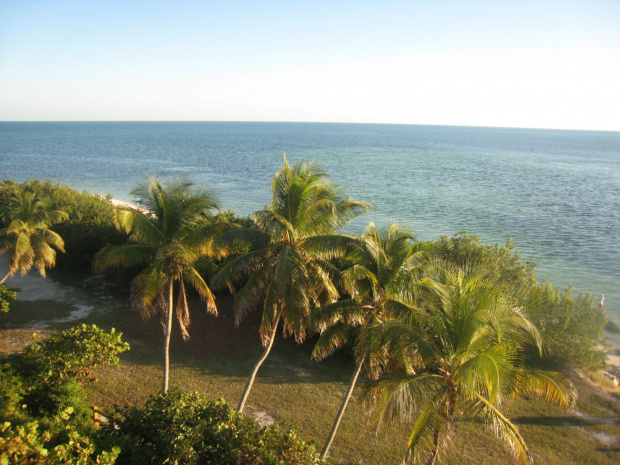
[[5, 277], [167, 336], [343, 407], [250, 383], [449, 407], [435, 450]]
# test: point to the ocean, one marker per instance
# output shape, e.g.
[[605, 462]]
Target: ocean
[[556, 193]]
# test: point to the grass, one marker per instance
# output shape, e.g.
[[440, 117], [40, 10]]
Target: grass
[[296, 391]]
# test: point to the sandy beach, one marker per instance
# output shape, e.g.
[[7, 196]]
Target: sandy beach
[[122, 203]]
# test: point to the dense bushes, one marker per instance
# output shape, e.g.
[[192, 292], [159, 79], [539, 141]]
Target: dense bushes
[[187, 428], [90, 225], [47, 375], [44, 414], [572, 327], [29, 444], [466, 250]]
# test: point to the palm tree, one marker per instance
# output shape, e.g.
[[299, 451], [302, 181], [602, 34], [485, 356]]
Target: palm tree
[[385, 280], [28, 237], [287, 270], [172, 236], [465, 351]]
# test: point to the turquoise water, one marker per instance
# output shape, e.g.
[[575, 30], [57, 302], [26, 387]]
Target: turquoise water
[[556, 193]]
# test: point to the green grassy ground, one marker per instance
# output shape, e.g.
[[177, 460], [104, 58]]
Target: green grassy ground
[[296, 391]]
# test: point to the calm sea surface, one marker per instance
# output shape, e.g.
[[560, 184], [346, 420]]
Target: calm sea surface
[[556, 193]]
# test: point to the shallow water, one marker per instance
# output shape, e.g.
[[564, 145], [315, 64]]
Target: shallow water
[[556, 193]]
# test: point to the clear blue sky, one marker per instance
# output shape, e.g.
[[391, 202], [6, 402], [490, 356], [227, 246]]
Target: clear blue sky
[[548, 64]]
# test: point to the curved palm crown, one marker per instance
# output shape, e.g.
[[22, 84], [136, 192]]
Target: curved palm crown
[[386, 279], [173, 238], [27, 237], [465, 350], [287, 271]]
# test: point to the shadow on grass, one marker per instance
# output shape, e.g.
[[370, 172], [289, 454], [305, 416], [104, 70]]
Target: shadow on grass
[[566, 421]]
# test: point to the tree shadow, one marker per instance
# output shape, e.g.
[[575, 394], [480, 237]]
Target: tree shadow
[[609, 449], [566, 421]]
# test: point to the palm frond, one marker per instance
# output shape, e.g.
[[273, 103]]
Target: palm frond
[[148, 285], [485, 373], [505, 429], [122, 256], [549, 386], [141, 227], [239, 269], [427, 432], [241, 239], [347, 311], [276, 225], [332, 339], [397, 397], [251, 295], [199, 284], [327, 247]]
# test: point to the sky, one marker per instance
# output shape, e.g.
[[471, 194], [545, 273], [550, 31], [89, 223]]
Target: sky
[[534, 64]]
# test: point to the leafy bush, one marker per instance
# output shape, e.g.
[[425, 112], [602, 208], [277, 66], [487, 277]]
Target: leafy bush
[[229, 216], [11, 393], [187, 428], [463, 249], [572, 327], [90, 225], [52, 370], [5, 296], [72, 354], [22, 444]]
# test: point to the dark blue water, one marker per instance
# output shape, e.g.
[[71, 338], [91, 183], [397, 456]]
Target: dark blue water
[[556, 193]]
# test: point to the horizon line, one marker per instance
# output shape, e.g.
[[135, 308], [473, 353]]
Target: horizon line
[[311, 122]]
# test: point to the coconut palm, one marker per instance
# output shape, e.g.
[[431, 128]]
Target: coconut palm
[[28, 237], [462, 355], [287, 270], [172, 236], [385, 280]]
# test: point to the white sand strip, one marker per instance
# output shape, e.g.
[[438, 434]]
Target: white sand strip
[[121, 203]]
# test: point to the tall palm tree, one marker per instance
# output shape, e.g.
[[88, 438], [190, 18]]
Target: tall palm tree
[[465, 351], [173, 237], [28, 237], [385, 280], [287, 270]]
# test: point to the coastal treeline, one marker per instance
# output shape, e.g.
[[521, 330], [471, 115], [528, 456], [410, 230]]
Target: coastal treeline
[[437, 329]]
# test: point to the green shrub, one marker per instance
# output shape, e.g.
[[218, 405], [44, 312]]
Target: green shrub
[[463, 249], [71, 355], [11, 393], [572, 327], [51, 371], [27, 444], [5, 296], [179, 428], [48, 401]]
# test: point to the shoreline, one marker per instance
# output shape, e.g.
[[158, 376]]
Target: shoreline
[[122, 203]]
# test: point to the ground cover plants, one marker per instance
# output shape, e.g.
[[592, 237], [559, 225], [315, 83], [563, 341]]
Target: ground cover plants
[[405, 311]]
